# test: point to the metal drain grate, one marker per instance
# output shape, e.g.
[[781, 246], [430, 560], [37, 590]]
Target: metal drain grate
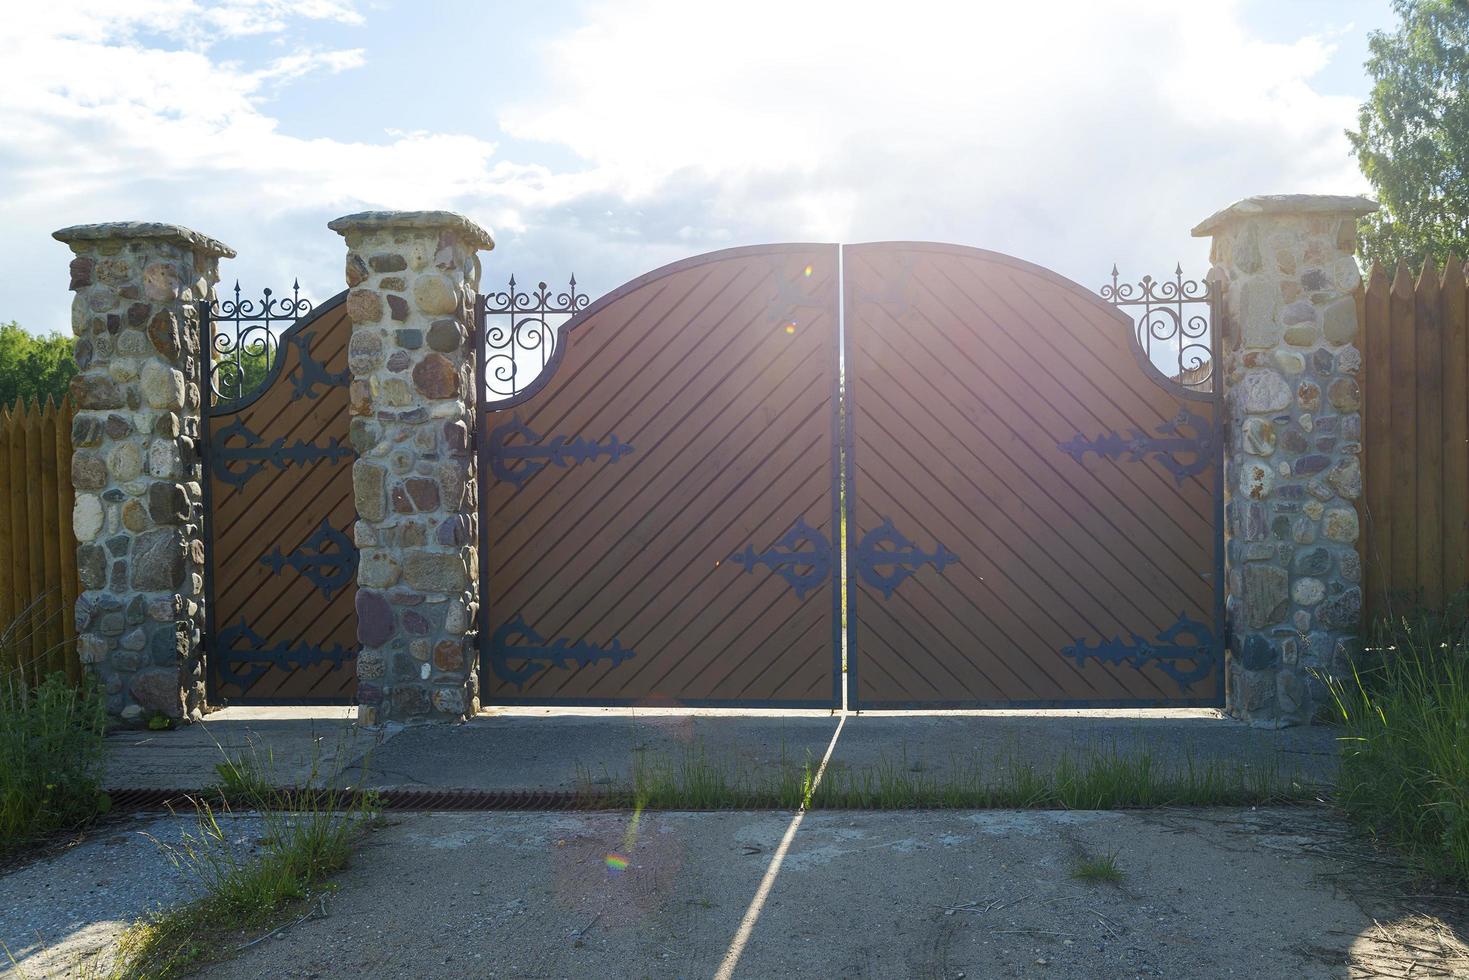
[[133, 800]]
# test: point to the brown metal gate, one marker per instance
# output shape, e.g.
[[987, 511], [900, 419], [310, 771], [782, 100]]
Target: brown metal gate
[[1033, 517], [659, 519], [281, 564]]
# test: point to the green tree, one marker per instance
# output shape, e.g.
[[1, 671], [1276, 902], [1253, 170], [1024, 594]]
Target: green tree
[[33, 367], [1413, 137]]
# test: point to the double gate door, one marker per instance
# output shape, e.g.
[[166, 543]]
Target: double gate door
[[954, 473]]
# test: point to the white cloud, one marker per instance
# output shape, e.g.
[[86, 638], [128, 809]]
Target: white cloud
[[1070, 132]]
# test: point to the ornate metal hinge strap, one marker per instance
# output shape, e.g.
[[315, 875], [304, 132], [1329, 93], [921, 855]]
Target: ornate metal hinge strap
[[903, 556], [1180, 454], [517, 641], [803, 568], [1201, 650], [897, 288], [258, 454], [239, 646], [791, 295], [327, 570], [519, 462], [312, 372]]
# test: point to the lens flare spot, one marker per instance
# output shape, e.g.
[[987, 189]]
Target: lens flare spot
[[791, 327], [807, 272], [616, 863]]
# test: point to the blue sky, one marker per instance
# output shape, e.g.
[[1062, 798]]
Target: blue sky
[[607, 138]]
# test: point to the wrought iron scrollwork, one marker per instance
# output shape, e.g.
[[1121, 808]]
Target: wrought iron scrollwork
[[519, 336], [515, 640], [256, 453], [802, 557], [1173, 329], [327, 559], [1187, 641], [242, 658], [1182, 453], [517, 462], [885, 546], [244, 339]]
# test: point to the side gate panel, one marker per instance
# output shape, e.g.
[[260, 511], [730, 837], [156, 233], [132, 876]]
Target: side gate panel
[[659, 518], [1032, 518], [281, 559]]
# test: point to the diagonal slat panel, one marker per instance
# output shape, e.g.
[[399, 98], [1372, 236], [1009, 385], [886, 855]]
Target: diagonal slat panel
[[283, 508], [610, 581], [980, 549]]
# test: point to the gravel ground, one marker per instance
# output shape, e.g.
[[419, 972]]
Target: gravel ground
[[1205, 893], [57, 911]]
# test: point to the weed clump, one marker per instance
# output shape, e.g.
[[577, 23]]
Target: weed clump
[[1405, 750]]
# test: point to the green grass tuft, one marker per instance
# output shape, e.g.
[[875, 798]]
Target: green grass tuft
[[51, 744], [1405, 750], [1101, 779], [247, 885], [1098, 869]]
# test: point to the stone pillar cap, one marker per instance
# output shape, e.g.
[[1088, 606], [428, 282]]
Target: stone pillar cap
[[1252, 207], [111, 231], [435, 220]]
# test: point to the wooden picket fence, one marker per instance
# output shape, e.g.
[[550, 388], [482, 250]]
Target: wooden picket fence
[[38, 568], [1415, 436]]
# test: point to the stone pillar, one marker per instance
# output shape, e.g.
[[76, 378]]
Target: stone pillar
[[139, 512], [414, 276], [1293, 434]]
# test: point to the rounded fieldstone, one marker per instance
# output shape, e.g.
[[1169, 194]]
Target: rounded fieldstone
[[436, 377], [88, 471], [1308, 396], [1343, 611], [1256, 480], [1307, 591], [390, 262], [445, 336], [1263, 391], [1344, 394], [161, 282], [1259, 436], [87, 516], [134, 516], [399, 360], [1340, 524], [1346, 478], [377, 569], [95, 391], [356, 270], [1290, 362], [1301, 334], [364, 306], [1339, 321], [375, 625], [158, 560], [369, 489], [435, 294], [435, 572], [158, 689], [162, 386], [397, 307], [364, 352], [449, 655], [163, 333], [125, 461]]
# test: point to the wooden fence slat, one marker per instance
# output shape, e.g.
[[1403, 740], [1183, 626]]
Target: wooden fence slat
[[1404, 419], [1377, 443], [1428, 390], [50, 537], [7, 544], [1455, 368], [65, 499], [35, 520]]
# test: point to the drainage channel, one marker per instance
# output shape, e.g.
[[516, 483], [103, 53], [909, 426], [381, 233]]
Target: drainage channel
[[138, 800]]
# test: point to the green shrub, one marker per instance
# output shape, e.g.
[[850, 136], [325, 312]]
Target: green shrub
[[51, 752], [1405, 752]]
